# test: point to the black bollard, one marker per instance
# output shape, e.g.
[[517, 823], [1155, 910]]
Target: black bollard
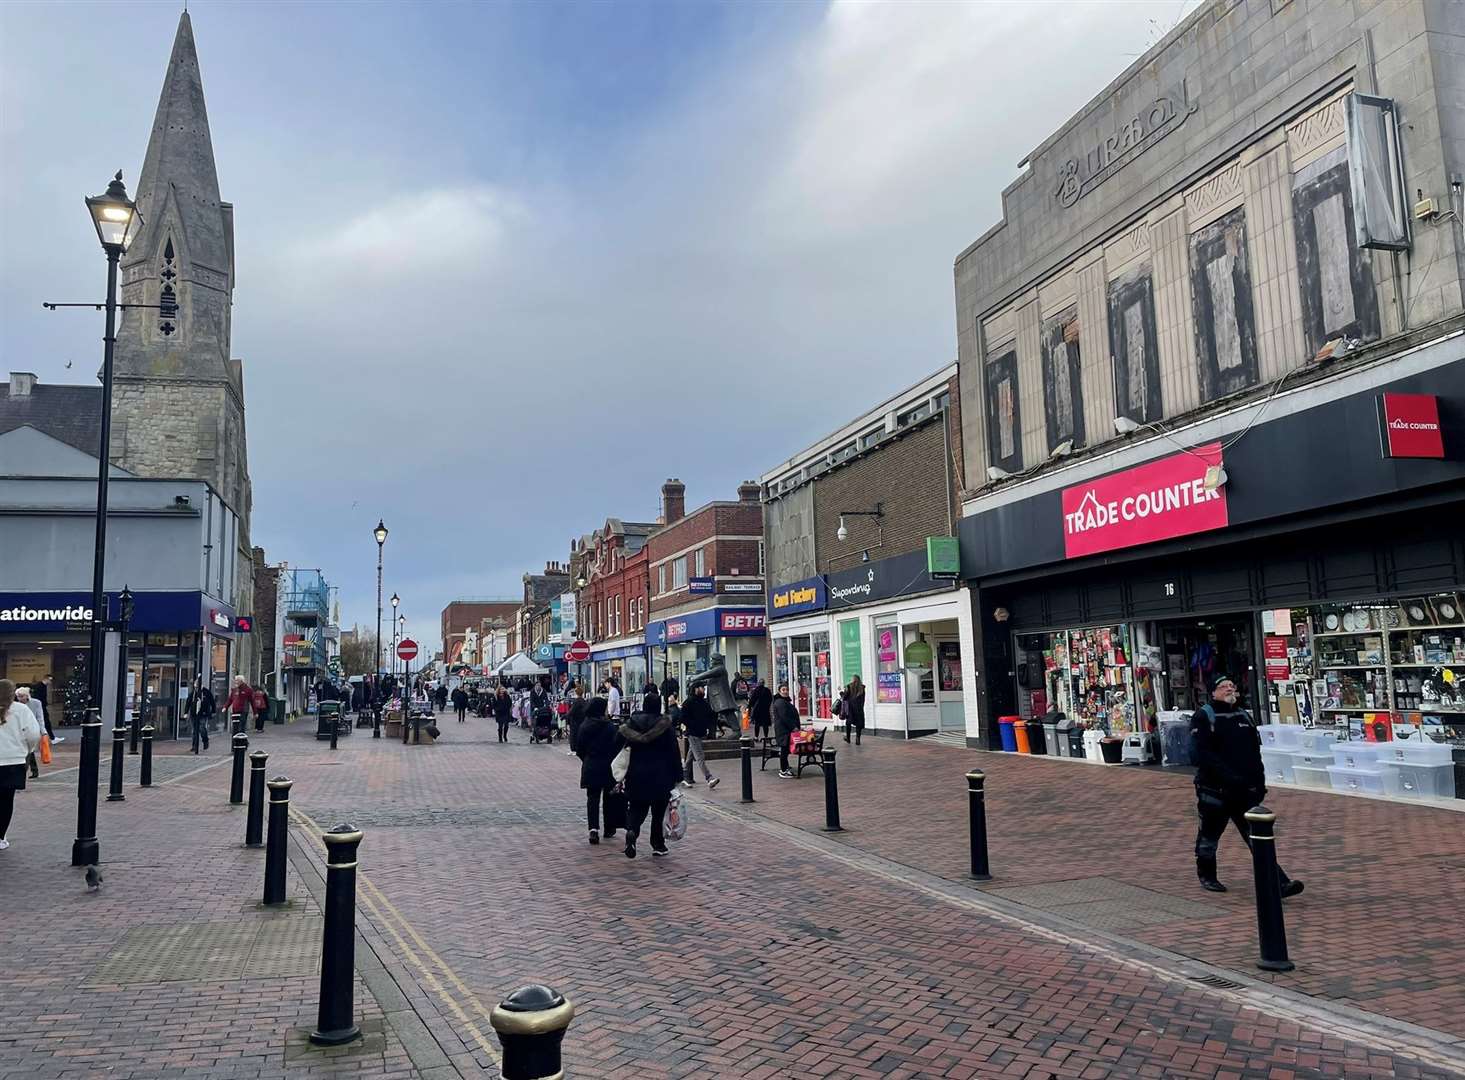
[[1271, 931], [279, 840], [236, 723], [977, 811], [831, 793], [335, 730], [335, 1023], [254, 819], [406, 727], [376, 722], [114, 779], [85, 850], [134, 731], [745, 745], [146, 779], [417, 731], [236, 780], [531, 1024]]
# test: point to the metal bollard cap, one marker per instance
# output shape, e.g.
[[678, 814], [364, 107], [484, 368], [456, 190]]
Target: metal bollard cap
[[343, 834], [976, 776], [279, 783], [535, 1009], [259, 757], [147, 731], [1261, 815], [828, 755]]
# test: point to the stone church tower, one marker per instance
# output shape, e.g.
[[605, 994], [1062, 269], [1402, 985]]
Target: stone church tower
[[178, 404]]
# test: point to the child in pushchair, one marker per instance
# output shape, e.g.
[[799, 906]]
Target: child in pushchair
[[543, 730]]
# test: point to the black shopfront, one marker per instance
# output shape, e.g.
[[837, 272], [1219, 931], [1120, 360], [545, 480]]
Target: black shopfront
[[1332, 592]]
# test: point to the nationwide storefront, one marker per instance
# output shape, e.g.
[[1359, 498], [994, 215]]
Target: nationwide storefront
[[44, 637], [1311, 546], [684, 644]]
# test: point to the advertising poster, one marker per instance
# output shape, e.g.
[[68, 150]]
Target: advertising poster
[[887, 687], [886, 640], [850, 659]]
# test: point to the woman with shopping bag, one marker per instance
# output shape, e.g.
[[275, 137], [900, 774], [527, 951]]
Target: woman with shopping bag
[[597, 744], [653, 769], [20, 735]]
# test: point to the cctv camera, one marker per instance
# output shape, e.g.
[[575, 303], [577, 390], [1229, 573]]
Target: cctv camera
[[842, 533]]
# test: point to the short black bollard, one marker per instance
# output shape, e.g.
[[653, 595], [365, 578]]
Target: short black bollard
[[977, 811], [146, 779], [236, 723], [335, 1023], [376, 722], [114, 779], [236, 780], [417, 731], [279, 840], [531, 1024], [406, 728], [1270, 929], [254, 819], [335, 731], [745, 745], [831, 793]]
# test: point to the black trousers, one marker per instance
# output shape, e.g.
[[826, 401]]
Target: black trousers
[[462, 714], [636, 814], [7, 808], [503, 731], [594, 799], [1215, 815], [201, 731]]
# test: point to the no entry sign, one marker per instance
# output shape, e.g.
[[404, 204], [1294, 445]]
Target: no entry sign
[[578, 653], [407, 649]]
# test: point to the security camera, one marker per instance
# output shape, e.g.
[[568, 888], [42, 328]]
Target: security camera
[[842, 534]]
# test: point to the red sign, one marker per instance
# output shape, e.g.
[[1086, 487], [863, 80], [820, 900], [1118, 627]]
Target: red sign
[[1411, 426], [578, 653], [741, 622], [1274, 648], [1155, 501], [1278, 670], [407, 649]]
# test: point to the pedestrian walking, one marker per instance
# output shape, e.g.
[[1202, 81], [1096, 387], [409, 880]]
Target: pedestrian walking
[[698, 720], [460, 702], [612, 698], [503, 712], [597, 744], [760, 707], [23, 697], [241, 698], [576, 716], [1229, 778], [442, 700], [20, 736], [200, 710], [854, 709], [39, 695], [653, 772], [785, 722], [670, 688]]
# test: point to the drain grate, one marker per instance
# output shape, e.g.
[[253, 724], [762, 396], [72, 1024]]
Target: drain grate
[[1216, 982], [213, 952], [381, 817]]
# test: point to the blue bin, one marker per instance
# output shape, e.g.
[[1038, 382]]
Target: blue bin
[[1009, 734]]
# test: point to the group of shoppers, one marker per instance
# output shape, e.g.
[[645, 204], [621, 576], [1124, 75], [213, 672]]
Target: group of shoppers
[[653, 767]]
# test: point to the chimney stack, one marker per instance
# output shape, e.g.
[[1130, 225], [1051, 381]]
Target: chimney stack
[[673, 501], [749, 492], [21, 383]]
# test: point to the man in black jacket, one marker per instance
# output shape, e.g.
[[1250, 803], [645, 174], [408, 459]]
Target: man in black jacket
[[1229, 779], [670, 687], [698, 720], [760, 705]]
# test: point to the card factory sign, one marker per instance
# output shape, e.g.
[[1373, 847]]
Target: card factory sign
[[1101, 160], [1155, 501]]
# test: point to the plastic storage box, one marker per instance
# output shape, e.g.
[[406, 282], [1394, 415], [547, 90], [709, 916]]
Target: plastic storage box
[[1281, 736], [1414, 752], [1318, 739], [1416, 781], [1356, 755], [1311, 776], [1279, 765], [1367, 781]]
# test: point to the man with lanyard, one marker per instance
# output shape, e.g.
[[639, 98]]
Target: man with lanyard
[[1229, 778]]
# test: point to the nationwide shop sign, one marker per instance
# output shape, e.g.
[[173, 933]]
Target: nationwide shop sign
[[1159, 500], [1410, 426]]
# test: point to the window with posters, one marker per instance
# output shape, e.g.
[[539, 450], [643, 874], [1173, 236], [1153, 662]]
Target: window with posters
[[823, 675], [888, 684]]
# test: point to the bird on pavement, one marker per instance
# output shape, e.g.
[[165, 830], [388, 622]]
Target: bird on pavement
[[93, 879]]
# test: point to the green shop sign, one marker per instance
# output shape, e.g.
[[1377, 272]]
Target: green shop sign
[[943, 557], [849, 648]]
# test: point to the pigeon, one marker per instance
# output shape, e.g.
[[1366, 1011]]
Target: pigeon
[[93, 879]]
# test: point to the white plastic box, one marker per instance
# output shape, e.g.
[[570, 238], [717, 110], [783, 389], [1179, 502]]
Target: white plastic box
[[1415, 752], [1318, 739], [1281, 736], [1365, 781], [1356, 755], [1415, 781], [1278, 765], [1312, 776]]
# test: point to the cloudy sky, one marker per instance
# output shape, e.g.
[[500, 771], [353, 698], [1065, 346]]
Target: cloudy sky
[[503, 268]]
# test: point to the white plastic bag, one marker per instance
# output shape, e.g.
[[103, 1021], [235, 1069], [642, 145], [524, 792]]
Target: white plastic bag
[[620, 765], [675, 824]]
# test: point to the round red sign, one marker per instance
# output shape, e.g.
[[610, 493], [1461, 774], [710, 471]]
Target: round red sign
[[407, 649], [578, 653]]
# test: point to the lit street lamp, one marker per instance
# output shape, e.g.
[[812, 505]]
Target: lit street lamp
[[380, 532]]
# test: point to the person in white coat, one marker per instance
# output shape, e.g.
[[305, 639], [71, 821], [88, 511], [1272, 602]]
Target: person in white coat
[[23, 697], [20, 735]]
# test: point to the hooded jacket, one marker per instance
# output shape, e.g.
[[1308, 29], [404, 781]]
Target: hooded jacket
[[759, 702], [503, 708], [1228, 753], [597, 742], [698, 717], [785, 717], [656, 765]]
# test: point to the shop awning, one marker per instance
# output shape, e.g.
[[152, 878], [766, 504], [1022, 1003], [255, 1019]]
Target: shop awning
[[519, 664]]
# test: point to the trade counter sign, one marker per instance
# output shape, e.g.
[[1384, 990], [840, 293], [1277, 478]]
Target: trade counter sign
[[1159, 500]]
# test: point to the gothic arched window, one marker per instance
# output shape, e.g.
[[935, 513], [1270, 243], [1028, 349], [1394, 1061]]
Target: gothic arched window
[[168, 295]]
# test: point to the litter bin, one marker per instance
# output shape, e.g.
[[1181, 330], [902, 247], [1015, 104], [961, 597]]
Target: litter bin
[[1036, 744], [1020, 732], [1069, 737], [1007, 725], [1112, 749], [277, 711], [1056, 746], [328, 714]]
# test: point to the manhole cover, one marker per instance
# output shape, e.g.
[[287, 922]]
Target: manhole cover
[[212, 952]]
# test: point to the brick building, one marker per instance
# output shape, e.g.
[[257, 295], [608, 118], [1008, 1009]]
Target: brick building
[[266, 623], [612, 601], [848, 524], [706, 581], [460, 616]]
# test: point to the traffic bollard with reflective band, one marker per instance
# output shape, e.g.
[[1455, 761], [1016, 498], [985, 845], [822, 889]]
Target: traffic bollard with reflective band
[[406, 727], [977, 815], [335, 1023], [376, 722], [335, 731], [1271, 931], [745, 746], [831, 793], [236, 779], [114, 778], [85, 851], [146, 779], [531, 1024], [236, 723], [254, 820], [279, 840]]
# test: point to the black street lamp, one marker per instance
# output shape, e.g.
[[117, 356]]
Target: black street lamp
[[395, 601], [117, 221], [125, 608], [380, 532]]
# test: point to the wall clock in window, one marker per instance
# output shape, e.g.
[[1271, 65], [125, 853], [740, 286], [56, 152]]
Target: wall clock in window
[[1416, 612]]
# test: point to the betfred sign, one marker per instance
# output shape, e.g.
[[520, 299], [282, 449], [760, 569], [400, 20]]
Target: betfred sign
[[1410, 424], [734, 623], [1159, 500]]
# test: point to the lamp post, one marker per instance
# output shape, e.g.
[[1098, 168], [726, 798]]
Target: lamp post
[[395, 601], [117, 222], [380, 532], [125, 609]]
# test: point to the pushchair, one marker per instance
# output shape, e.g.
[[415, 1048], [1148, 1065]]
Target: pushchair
[[543, 730]]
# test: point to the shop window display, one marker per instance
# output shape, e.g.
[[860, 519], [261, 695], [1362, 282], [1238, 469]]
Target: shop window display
[[1084, 674]]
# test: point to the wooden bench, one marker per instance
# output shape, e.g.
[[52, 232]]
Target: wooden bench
[[808, 752]]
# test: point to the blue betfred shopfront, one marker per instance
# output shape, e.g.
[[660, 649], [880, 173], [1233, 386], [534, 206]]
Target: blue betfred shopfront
[[683, 645], [45, 639]]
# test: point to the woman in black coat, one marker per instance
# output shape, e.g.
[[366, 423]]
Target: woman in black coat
[[597, 743], [656, 768], [503, 712], [854, 709]]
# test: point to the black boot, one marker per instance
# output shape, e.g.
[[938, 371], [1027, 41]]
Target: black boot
[[1205, 869]]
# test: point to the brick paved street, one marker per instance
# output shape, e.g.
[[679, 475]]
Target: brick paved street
[[756, 950]]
